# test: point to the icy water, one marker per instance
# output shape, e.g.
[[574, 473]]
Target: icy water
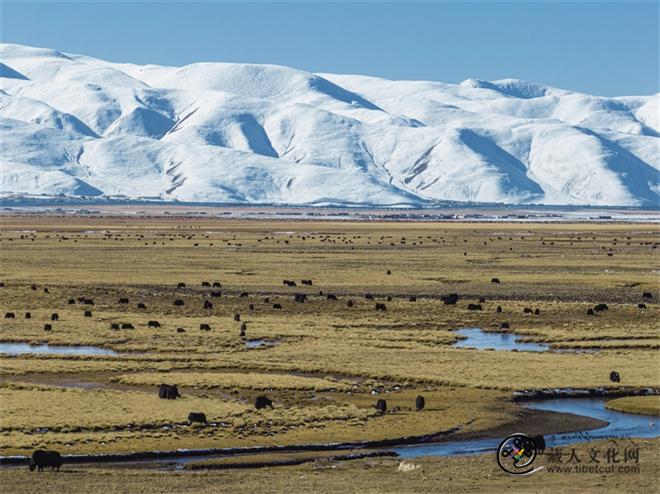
[[24, 348]]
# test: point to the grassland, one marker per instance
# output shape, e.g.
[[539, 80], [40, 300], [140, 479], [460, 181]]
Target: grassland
[[328, 363], [463, 474], [646, 405]]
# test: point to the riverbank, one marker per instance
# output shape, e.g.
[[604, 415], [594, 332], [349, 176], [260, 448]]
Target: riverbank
[[465, 474]]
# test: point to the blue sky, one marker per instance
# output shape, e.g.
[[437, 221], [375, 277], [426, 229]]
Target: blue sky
[[608, 48]]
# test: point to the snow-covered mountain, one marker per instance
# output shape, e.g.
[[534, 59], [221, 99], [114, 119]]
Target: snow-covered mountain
[[238, 133]]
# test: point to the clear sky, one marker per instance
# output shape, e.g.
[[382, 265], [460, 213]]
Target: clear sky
[[608, 48]]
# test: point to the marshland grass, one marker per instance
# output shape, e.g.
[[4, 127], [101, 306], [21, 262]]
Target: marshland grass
[[646, 405], [331, 362]]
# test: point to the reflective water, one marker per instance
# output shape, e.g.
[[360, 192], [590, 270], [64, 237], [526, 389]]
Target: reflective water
[[476, 338], [24, 348], [621, 425]]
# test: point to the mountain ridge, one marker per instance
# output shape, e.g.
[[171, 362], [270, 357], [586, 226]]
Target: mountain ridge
[[75, 125]]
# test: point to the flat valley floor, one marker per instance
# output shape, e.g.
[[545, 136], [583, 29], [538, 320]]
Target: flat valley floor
[[324, 361]]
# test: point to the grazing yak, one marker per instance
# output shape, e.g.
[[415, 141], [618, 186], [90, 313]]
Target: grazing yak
[[474, 307], [307, 282], [539, 442], [54, 316], [450, 299], [482, 300], [527, 310], [601, 308], [537, 312], [299, 297], [217, 284], [72, 301], [277, 306], [504, 325], [153, 324], [244, 294], [127, 325], [262, 402], [237, 317], [87, 301], [498, 309], [123, 301], [44, 459], [48, 327], [388, 272], [196, 417], [114, 325], [369, 296], [243, 329], [267, 300], [251, 307], [615, 377], [180, 285], [178, 302], [87, 313], [590, 312], [641, 306], [381, 405], [206, 284], [168, 392], [208, 304], [647, 295], [349, 303], [180, 330], [216, 294], [495, 280], [141, 306], [204, 327], [381, 306], [28, 315], [289, 283], [10, 315], [331, 296], [412, 299], [420, 402]]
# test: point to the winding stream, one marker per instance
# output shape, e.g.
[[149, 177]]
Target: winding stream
[[620, 425]]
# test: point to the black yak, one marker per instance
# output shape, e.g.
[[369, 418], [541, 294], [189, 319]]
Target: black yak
[[87, 313], [615, 377], [168, 392], [42, 459], [54, 316], [474, 307], [153, 324], [381, 405], [381, 306], [262, 402], [196, 417], [420, 402], [450, 299], [48, 327], [178, 302], [208, 304], [204, 327]]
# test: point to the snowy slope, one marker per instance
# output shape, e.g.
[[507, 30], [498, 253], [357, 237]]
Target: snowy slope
[[240, 133]]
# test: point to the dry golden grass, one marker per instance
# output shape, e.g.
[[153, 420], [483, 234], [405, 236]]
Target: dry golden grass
[[463, 474], [561, 269], [646, 405]]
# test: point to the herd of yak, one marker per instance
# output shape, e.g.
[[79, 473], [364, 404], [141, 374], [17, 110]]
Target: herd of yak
[[51, 459]]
